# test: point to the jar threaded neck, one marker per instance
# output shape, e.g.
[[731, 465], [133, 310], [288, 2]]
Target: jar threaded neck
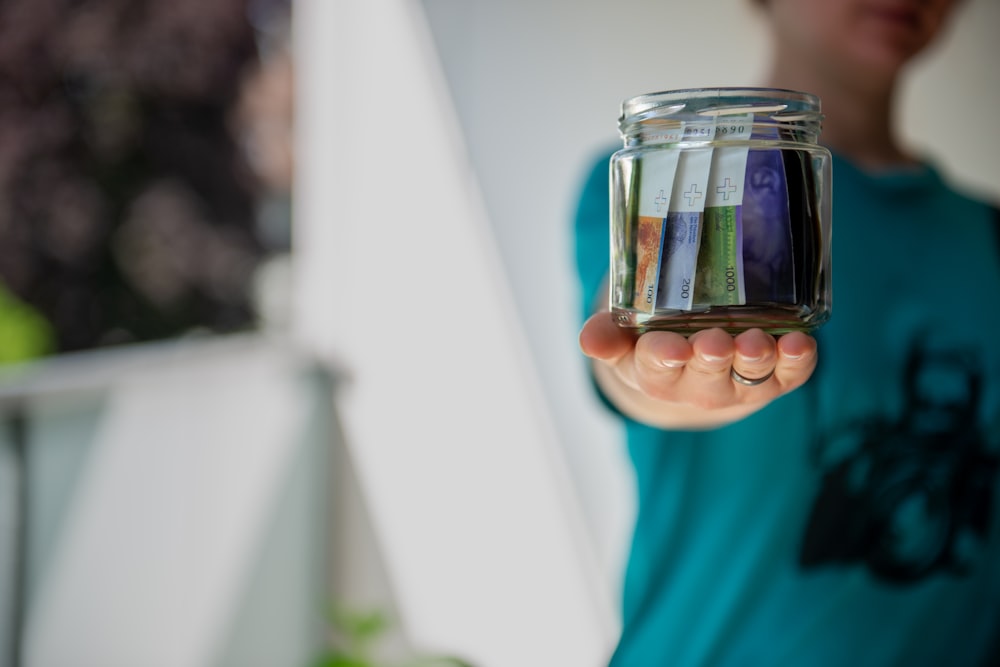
[[777, 114]]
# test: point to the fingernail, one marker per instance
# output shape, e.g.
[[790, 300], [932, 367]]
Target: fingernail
[[672, 363], [712, 359]]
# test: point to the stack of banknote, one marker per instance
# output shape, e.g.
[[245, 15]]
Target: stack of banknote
[[709, 220]]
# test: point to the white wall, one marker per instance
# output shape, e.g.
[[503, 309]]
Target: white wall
[[537, 87]]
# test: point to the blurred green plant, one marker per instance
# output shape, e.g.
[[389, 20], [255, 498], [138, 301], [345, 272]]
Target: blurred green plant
[[356, 638], [24, 333]]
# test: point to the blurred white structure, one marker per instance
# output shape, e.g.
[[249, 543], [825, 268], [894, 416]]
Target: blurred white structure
[[177, 507], [398, 279]]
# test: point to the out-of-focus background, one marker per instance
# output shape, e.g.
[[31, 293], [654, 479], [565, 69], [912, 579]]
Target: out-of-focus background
[[288, 318]]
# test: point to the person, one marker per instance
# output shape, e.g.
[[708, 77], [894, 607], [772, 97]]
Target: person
[[844, 510]]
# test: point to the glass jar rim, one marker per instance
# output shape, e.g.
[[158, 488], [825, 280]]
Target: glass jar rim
[[780, 102]]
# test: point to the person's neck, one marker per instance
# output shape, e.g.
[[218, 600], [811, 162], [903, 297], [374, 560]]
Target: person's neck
[[857, 121]]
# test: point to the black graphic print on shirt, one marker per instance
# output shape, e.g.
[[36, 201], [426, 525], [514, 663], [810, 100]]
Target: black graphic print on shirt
[[911, 496]]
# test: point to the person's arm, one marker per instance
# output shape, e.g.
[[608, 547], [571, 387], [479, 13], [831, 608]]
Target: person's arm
[[664, 379]]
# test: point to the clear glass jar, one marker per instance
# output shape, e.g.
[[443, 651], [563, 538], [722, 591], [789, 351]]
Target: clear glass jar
[[720, 212]]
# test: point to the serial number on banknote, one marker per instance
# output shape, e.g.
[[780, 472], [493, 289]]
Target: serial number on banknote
[[699, 131], [730, 129]]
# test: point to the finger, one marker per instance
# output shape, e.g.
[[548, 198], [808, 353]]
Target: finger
[[755, 354], [797, 356], [705, 382], [658, 363], [601, 338], [712, 357]]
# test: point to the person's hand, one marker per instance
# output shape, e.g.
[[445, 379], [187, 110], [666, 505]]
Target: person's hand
[[705, 380]]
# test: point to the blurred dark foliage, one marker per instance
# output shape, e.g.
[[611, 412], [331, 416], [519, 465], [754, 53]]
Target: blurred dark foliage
[[126, 206]]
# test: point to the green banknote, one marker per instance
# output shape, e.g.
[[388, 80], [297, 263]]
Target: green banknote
[[719, 276]]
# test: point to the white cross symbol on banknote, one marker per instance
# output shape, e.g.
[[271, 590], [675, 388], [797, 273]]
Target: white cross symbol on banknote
[[693, 195], [660, 200], [727, 188]]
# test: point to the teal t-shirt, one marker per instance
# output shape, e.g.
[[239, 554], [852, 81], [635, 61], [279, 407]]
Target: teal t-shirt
[[856, 520]]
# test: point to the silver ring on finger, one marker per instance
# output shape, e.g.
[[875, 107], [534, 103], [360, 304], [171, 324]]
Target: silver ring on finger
[[749, 382]]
